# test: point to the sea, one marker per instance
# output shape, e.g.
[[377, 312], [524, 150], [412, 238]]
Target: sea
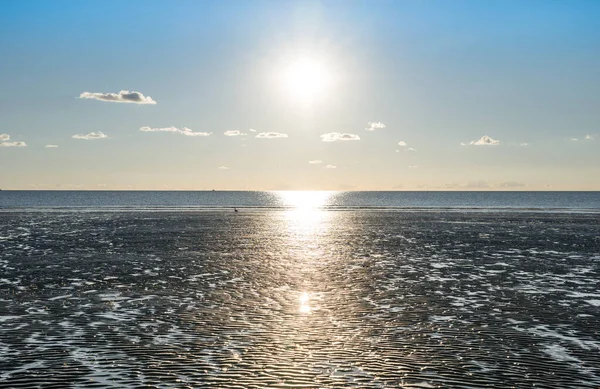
[[299, 289]]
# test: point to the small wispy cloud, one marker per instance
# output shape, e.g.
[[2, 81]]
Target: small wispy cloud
[[411, 149], [372, 126], [315, 161], [4, 142], [524, 144], [402, 143], [91, 136], [123, 96], [223, 168], [183, 131], [252, 130], [337, 136], [589, 137], [485, 141], [271, 135], [330, 167], [233, 133], [413, 166], [51, 146]]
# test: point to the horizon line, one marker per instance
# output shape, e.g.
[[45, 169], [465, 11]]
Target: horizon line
[[300, 190]]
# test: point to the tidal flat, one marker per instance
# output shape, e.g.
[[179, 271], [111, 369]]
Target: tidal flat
[[299, 299]]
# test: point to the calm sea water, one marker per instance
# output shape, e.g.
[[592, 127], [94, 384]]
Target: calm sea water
[[332, 200], [309, 290]]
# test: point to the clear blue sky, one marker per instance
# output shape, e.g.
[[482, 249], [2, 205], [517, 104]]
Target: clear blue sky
[[432, 77]]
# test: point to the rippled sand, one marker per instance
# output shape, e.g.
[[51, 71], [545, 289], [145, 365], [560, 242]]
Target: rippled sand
[[299, 299]]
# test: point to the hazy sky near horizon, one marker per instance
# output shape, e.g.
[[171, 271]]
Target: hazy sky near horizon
[[372, 95]]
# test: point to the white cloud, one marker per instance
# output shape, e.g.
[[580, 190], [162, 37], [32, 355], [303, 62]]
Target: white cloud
[[402, 143], [524, 144], [330, 167], [90, 136], [252, 130], [589, 137], [411, 149], [413, 166], [123, 96], [271, 135], [315, 161], [574, 139], [223, 168], [183, 131], [233, 133], [484, 141], [372, 126], [13, 144], [51, 146], [336, 136], [5, 137]]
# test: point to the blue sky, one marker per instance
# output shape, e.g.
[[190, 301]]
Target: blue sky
[[437, 76]]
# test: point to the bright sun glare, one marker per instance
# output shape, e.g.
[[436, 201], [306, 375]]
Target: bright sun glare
[[301, 200], [306, 80]]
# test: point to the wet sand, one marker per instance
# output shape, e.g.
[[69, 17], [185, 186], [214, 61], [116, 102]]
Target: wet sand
[[299, 299]]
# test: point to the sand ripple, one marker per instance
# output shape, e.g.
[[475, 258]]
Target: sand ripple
[[299, 300]]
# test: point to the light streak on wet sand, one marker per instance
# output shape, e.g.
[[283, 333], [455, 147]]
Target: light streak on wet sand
[[306, 299]]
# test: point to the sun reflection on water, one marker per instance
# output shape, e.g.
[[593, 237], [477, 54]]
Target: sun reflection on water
[[305, 213], [303, 200], [304, 303], [307, 221]]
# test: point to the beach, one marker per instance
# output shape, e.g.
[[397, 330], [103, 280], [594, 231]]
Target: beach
[[299, 299], [299, 194]]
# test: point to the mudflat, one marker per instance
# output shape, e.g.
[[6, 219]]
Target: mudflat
[[299, 299]]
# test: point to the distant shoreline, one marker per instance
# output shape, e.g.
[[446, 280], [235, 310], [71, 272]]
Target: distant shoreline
[[300, 190]]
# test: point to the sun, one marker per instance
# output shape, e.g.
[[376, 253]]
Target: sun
[[306, 80]]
